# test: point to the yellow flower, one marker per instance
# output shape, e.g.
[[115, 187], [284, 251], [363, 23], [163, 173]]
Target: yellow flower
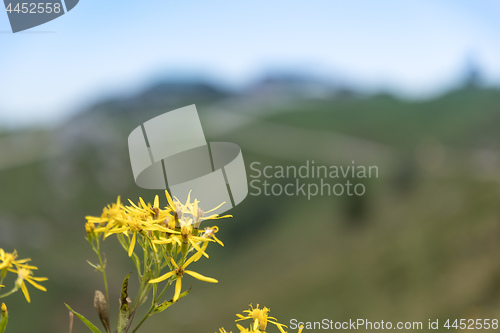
[[185, 238], [89, 227], [135, 225], [210, 233], [4, 308], [26, 275], [7, 260], [109, 213], [200, 215], [179, 272], [260, 318]]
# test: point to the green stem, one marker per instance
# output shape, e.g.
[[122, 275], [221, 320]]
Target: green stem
[[144, 318], [103, 270], [164, 290], [9, 292]]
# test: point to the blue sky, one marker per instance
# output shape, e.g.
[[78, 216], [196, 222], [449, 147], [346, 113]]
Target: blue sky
[[414, 48]]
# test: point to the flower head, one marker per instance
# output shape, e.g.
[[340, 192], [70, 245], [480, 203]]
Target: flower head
[[10, 263], [27, 275], [9, 260], [260, 319], [179, 273]]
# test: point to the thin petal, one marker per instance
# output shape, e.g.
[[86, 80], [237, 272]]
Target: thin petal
[[163, 277], [132, 245], [201, 277], [25, 292], [36, 285], [178, 287], [211, 210], [39, 279], [190, 260], [218, 240], [188, 198], [198, 254], [197, 248], [170, 201], [242, 317]]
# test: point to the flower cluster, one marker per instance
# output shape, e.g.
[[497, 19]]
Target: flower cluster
[[260, 318], [9, 262], [162, 243]]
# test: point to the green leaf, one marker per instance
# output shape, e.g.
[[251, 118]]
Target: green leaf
[[163, 306], [124, 314], [92, 327], [97, 267], [3, 321]]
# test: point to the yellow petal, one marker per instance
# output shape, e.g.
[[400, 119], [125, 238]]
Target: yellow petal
[[36, 285], [162, 278], [157, 202], [39, 279], [198, 254], [242, 317], [197, 248], [280, 326], [211, 210], [218, 240], [178, 286], [173, 262], [132, 245], [162, 241], [133, 204], [169, 199], [190, 260], [201, 277], [25, 292], [188, 198]]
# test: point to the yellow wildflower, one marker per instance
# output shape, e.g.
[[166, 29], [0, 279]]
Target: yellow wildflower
[[7, 260], [260, 318], [185, 238], [26, 275], [179, 272], [199, 215], [109, 213], [210, 233]]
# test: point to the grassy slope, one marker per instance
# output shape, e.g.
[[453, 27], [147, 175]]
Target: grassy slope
[[425, 250]]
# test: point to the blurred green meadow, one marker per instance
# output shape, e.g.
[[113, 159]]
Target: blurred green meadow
[[422, 243]]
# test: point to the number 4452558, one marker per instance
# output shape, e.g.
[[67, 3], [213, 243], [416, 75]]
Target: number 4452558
[[471, 324], [34, 8]]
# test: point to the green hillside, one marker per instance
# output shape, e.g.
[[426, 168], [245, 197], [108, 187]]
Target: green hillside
[[423, 243]]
